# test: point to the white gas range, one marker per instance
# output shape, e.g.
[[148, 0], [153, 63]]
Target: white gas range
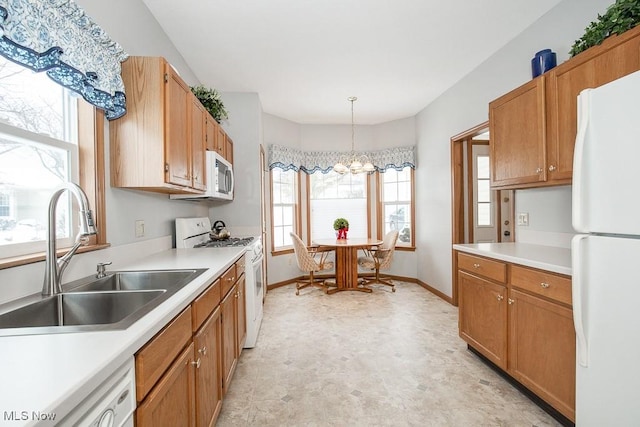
[[194, 233]]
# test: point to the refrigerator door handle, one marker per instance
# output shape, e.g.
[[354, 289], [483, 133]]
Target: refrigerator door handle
[[577, 286], [579, 160]]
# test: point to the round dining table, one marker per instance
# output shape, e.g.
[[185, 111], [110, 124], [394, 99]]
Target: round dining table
[[347, 261]]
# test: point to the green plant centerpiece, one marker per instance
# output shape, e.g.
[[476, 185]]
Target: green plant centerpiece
[[340, 223], [211, 101], [341, 226], [621, 16]]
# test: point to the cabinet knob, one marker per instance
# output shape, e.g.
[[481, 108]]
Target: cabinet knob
[[511, 301], [203, 351], [196, 363], [476, 265], [539, 170], [544, 285], [500, 297], [231, 279], [552, 168]]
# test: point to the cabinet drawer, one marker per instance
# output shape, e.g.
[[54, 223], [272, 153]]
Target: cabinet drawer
[[240, 267], [552, 286], [228, 279], [156, 356], [491, 269], [204, 305]]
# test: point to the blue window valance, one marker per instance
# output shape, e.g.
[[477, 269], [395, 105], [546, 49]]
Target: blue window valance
[[56, 36], [288, 158]]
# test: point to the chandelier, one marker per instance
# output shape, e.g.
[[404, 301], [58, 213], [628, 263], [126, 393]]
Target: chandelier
[[353, 162]]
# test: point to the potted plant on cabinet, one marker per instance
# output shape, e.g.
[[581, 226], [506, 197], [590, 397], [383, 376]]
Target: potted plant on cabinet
[[211, 101], [621, 16]]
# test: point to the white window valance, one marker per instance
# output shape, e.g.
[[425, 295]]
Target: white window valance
[[58, 37], [287, 158]]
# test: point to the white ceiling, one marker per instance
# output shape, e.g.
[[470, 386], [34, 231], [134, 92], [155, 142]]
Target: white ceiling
[[306, 57]]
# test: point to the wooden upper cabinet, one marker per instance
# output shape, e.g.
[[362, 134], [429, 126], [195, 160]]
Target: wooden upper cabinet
[[517, 126], [614, 58], [533, 128], [228, 149], [220, 140], [151, 146], [176, 144], [198, 144]]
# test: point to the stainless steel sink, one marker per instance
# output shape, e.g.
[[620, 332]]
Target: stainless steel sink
[[73, 309], [137, 281], [110, 303]]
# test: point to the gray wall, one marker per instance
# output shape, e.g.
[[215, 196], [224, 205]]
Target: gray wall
[[464, 106], [244, 127]]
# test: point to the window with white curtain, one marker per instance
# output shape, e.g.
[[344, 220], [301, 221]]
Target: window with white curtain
[[284, 194], [332, 196], [38, 151], [396, 198]]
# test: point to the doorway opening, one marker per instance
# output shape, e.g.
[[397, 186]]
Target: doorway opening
[[479, 214]]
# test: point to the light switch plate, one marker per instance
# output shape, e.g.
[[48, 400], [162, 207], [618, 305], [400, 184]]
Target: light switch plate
[[523, 219], [139, 228]]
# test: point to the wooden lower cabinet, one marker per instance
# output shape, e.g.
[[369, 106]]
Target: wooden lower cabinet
[[524, 326], [483, 316], [542, 349], [209, 371], [229, 347], [172, 401], [183, 372], [242, 315]]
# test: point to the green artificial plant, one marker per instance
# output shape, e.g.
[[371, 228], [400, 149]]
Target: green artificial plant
[[211, 101], [340, 223], [619, 17]]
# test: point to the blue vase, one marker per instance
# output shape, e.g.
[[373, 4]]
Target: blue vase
[[542, 62]]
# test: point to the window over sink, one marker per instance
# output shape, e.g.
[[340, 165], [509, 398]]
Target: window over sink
[[39, 149]]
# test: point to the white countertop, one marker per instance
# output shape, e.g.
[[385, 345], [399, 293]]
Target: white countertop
[[56, 372], [549, 258]]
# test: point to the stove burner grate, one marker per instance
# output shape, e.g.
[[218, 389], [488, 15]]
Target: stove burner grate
[[231, 241]]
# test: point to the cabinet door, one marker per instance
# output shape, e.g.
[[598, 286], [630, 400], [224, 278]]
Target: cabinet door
[[172, 401], [212, 133], [198, 144], [208, 376], [615, 58], [542, 349], [517, 126], [220, 140], [228, 149], [483, 316], [228, 313], [242, 314], [176, 145]]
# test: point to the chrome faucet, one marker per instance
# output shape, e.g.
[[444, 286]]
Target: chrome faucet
[[54, 268]]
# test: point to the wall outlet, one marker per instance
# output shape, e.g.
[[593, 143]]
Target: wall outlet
[[140, 228], [523, 219]]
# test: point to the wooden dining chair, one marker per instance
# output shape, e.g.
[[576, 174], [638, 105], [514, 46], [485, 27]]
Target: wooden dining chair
[[310, 259], [379, 258]]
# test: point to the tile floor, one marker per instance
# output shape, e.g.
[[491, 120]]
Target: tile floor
[[379, 359]]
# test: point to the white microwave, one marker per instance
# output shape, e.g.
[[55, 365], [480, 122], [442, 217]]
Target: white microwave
[[219, 180]]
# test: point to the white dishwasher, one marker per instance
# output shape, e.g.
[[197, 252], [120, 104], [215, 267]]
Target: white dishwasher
[[111, 404]]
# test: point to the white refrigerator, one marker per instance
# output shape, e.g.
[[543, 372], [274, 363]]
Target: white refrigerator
[[606, 256]]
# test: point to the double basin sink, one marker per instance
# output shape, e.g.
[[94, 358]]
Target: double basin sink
[[113, 302]]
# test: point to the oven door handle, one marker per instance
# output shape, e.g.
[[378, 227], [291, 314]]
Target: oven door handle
[[257, 260]]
